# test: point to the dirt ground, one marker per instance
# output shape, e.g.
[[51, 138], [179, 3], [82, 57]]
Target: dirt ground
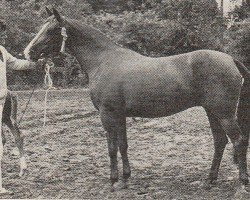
[[169, 157]]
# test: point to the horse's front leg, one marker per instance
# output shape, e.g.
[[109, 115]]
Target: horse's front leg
[[115, 125], [220, 142], [123, 147]]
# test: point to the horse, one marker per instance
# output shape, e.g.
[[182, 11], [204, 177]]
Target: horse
[[9, 118], [124, 83]]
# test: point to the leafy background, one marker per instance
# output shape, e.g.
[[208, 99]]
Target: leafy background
[[150, 27]]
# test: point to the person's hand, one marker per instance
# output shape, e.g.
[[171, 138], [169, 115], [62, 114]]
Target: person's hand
[[39, 65], [50, 63], [41, 62]]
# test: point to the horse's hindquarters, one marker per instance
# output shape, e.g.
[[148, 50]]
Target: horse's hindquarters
[[221, 96]]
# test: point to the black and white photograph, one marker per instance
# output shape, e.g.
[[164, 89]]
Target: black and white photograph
[[125, 99]]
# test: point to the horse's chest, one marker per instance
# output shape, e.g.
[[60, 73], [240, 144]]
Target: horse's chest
[[110, 97]]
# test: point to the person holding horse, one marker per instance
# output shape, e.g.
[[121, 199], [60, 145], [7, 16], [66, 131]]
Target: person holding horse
[[7, 61]]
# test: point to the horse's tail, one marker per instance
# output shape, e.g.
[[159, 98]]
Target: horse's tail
[[243, 114], [245, 72]]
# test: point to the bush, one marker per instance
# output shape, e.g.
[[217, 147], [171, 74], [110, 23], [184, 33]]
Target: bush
[[238, 42], [150, 27], [153, 33], [238, 36]]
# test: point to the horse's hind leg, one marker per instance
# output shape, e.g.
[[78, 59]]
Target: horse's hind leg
[[240, 142], [114, 124], [220, 141], [243, 112]]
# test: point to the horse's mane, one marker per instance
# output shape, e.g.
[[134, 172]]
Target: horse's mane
[[86, 30]]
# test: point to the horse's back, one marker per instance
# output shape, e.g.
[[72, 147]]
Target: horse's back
[[145, 86]]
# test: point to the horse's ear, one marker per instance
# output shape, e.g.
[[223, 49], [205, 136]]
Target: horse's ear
[[48, 11], [57, 16]]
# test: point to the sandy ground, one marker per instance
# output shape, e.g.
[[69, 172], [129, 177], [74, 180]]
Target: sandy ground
[[170, 157]]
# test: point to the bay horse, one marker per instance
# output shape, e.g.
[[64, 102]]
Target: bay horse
[[124, 83]]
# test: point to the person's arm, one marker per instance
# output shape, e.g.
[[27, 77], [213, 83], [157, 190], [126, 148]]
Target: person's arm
[[19, 64]]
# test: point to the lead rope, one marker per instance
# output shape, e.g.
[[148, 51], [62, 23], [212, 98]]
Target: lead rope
[[49, 83]]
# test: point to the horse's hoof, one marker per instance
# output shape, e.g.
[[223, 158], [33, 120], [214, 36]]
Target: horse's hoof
[[242, 193], [118, 186], [207, 184], [114, 186], [23, 166], [124, 185], [112, 189]]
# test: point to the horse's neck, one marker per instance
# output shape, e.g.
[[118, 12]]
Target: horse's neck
[[93, 52], [91, 47], [91, 56]]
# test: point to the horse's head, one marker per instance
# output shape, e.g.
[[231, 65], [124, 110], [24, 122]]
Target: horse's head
[[49, 39]]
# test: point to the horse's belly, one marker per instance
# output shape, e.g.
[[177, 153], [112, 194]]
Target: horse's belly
[[151, 108], [152, 112]]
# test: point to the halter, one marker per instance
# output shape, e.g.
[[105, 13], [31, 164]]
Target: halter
[[65, 37], [47, 79]]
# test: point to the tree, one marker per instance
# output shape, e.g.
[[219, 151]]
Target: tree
[[238, 37], [151, 27], [242, 11]]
